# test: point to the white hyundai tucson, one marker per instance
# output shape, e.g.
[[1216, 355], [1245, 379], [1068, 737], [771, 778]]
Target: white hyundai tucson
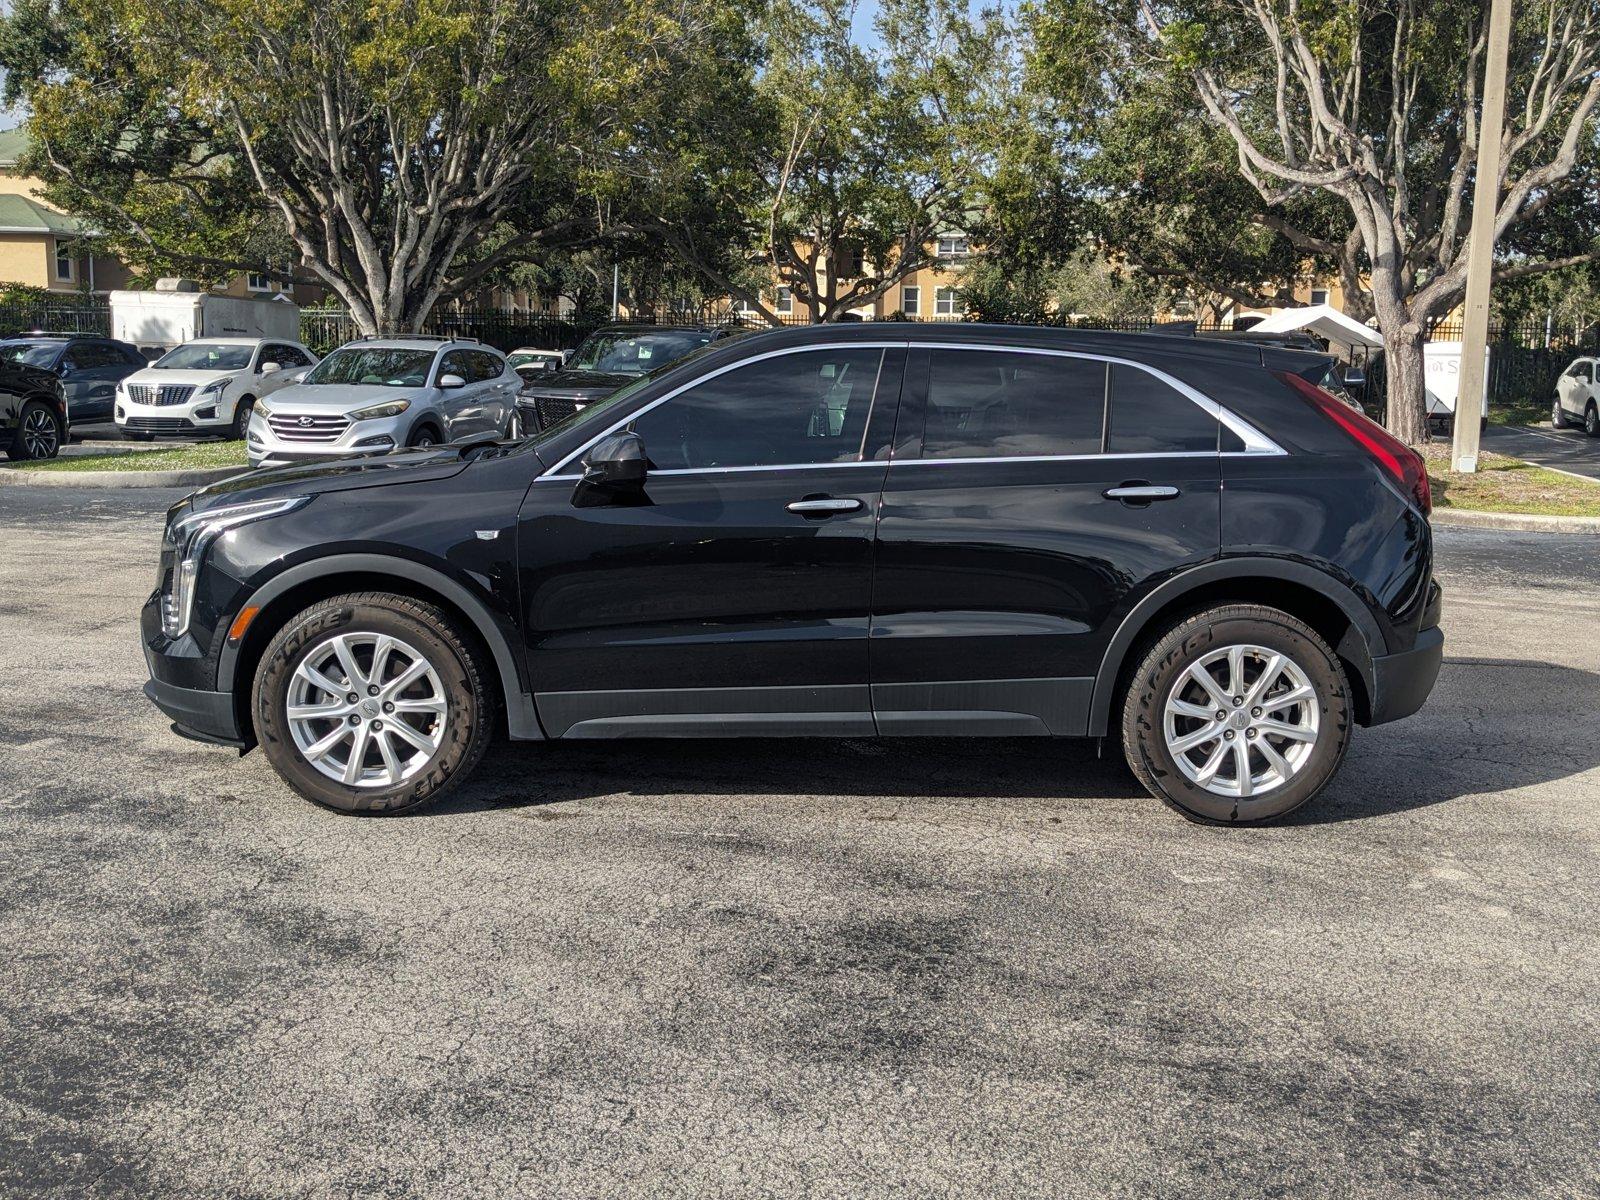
[[207, 386], [380, 394]]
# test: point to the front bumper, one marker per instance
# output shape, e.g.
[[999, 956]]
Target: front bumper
[[174, 418], [1402, 682], [266, 449], [176, 668]]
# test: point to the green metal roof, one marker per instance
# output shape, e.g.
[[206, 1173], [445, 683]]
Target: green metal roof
[[18, 214], [13, 145]]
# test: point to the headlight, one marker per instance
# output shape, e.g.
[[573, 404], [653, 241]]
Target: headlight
[[389, 408], [261, 410], [215, 389], [188, 539]]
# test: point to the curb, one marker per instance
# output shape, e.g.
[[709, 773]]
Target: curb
[[118, 479], [1514, 522]]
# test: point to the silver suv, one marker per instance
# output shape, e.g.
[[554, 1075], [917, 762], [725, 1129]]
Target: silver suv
[[379, 394]]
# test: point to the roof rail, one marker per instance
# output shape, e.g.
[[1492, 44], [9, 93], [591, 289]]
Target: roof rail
[[412, 337]]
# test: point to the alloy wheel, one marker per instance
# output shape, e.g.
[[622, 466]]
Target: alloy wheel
[[1241, 721], [367, 709], [40, 437]]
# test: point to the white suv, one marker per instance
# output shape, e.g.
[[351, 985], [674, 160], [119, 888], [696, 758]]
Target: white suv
[[379, 394], [207, 386], [1577, 396]]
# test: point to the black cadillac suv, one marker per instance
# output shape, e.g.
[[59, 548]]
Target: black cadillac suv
[[849, 530]]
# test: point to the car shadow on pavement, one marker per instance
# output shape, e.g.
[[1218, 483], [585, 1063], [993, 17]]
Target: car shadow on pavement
[[1492, 725]]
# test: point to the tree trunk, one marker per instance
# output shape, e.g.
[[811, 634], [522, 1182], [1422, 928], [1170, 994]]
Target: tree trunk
[[1403, 367]]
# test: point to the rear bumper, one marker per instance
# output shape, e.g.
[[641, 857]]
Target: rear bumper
[[1402, 682]]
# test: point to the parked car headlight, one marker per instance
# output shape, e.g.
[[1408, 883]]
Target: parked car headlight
[[215, 388], [188, 538], [261, 410], [389, 408]]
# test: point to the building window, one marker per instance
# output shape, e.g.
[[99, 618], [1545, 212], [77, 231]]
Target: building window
[[948, 303], [911, 301], [855, 265], [257, 282], [742, 307], [954, 245], [785, 303], [64, 264], [1319, 295]]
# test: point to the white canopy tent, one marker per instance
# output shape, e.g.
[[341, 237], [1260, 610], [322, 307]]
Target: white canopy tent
[[1323, 320]]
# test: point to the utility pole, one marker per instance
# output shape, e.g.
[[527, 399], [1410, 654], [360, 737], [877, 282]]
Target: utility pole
[[1480, 247], [616, 280]]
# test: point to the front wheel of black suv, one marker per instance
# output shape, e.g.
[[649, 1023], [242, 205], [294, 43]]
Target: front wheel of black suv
[[1238, 715], [38, 435], [372, 703]]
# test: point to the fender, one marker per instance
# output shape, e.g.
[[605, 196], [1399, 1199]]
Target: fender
[[520, 718], [1368, 637]]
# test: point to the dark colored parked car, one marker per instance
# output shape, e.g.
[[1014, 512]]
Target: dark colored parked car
[[33, 411], [907, 530], [89, 368], [603, 362]]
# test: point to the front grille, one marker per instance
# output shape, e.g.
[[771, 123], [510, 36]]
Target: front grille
[[550, 409], [159, 424], [290, 428], [167, 393]]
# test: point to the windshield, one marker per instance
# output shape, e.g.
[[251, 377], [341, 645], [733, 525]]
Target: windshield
[[522, 358], [206, 356], [634, 353], [32, 354], [599, 408], [392, 367]]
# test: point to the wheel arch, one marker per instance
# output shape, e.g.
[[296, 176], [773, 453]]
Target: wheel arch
[[1329, 606], [301, 586]]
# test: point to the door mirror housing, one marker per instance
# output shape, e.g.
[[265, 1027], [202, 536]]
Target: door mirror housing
[[451, 382], [270, 368], [616, 461]]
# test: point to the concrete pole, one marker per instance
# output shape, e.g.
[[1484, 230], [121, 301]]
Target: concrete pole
[[1480, 253]]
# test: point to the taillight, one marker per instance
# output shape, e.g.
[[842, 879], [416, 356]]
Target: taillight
[[1403, 463]]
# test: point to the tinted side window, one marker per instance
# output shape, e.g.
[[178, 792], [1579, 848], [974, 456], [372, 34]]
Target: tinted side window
[[1583, 373], [488, 365], [1149, 416], [794, 409], [455, 363], [995, 404]]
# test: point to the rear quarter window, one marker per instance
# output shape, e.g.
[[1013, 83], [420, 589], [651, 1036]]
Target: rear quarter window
[[1147, 415]]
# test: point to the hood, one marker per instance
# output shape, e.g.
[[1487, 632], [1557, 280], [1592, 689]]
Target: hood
[[570, 383], [337, 397], [181, 378], [339, 475]]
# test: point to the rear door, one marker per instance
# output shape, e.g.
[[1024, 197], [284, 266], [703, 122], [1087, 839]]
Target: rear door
[[1031, 494], [732, 593], [90, 371]]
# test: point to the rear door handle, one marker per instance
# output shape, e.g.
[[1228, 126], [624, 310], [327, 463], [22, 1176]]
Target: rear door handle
[[1140, 493], [824, 506]]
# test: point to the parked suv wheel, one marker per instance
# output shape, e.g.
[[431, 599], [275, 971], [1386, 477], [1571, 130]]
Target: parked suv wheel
[[1591, 420], [38, 435], [372, 703], [1238, 715], [239, 427], [1558, 419]]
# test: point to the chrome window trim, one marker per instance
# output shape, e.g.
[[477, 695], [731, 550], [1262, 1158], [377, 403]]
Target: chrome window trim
[[1256, 443]]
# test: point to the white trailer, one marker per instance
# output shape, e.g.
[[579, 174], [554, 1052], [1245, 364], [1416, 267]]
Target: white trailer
[[164, 319], [1441, 365]]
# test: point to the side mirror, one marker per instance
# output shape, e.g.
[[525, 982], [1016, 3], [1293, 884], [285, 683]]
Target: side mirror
[[270, 368], [450, 382], [617, 461]]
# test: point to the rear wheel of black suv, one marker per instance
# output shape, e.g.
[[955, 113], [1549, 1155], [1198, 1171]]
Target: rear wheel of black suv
[[372, 704], [1238, 715]]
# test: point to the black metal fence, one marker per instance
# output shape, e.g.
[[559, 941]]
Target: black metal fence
[[55, 316]]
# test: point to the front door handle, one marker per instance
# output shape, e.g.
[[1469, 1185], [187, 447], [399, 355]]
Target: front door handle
[[824, 506], [1140, 493]]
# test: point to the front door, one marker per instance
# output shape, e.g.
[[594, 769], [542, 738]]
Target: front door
[[1046, 487], [731, 592], [463, 407]]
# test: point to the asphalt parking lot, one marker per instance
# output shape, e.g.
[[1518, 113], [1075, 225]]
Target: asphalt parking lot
[[973, 968]]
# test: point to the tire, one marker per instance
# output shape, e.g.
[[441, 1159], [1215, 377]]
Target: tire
[[1591, 420], [423, 436], [240, 424], [1558, 419], [1162, 677], [38, 434], [444, 746]]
